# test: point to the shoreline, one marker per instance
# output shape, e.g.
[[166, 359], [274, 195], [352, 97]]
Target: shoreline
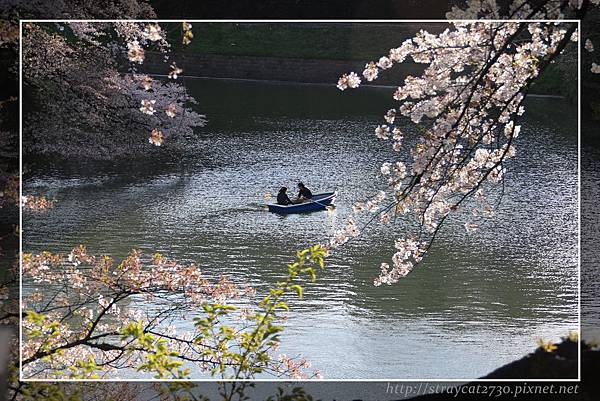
[[260, 68], [320, 84]]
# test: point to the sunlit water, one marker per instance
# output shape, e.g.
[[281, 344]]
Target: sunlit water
[[590, 234], [479, 300]]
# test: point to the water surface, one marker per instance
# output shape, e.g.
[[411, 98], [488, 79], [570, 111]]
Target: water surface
[[479, 300]]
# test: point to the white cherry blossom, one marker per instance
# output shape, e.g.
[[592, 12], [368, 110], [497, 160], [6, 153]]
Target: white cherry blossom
[[465, 107]]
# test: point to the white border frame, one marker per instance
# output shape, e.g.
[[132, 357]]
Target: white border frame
[[283, 21]]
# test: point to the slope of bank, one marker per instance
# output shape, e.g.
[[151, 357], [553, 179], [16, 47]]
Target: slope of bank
[[559, 364], [260, 68], [317, 53]]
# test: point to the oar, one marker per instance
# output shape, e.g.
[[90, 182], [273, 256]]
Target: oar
[[318, 203], [325, 206]]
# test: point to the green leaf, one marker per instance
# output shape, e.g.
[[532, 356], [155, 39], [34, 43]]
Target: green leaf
[[298, 289], [282, 305]]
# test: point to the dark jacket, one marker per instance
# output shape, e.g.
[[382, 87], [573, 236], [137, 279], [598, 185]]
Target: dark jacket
[[283, 199], [305, 193]]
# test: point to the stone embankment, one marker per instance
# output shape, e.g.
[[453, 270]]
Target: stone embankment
[[272, 68]]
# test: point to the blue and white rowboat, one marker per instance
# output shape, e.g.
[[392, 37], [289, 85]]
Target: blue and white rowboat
[[318, 202]]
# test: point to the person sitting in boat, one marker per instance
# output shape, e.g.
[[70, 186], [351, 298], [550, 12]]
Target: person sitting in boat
[[283, 198], [304, 193]]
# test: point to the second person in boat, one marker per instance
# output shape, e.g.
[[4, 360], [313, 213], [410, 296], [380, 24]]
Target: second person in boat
[[304, 193], [283, 198]]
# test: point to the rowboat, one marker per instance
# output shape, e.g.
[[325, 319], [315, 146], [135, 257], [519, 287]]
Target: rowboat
[[317, 202]]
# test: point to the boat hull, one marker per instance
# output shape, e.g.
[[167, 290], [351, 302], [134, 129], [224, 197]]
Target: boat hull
[[318, 202]]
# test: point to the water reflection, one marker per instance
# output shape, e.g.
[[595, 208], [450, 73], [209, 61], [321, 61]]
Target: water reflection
[[590, 232]]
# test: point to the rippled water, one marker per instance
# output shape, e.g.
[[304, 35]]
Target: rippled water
[[479, 300], [590, 233]]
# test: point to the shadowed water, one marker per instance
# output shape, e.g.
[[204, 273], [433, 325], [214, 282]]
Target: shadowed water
[[479, 300]]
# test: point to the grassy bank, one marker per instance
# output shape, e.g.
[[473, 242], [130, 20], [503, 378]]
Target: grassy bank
[[344, 41], [308, 41]]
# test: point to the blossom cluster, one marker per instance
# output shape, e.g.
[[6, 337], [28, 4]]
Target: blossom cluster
[[158, 110], [351, 229], [295, 369], [38, 203], [87, 322], [89, 298], [187, 36], [465, 108], [527, 10]]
